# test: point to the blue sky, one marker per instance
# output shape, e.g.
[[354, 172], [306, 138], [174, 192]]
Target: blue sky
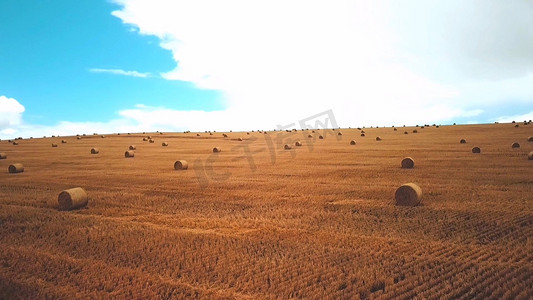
[[134, 65]]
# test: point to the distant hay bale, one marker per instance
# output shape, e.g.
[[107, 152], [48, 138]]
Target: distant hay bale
[[362, 131], [309, 135], [415, 131], [476, 150], [84, 134], [352, 142], [145, 139], [240, 139], [54, 145], [164, 144], [405, 132], [197, 134], [530, 155], [378, 138], [72, 199], [515, 145], [224, 135], [362, 134], [248, 133], [16, 168], [530, 139], [210, 133], [339, 133], [132, 147], [462, 141], [15, 143], [313, 131], [181, 165], [151, 141], [102, 136], [216, 149], [321, 137], [63, 142], [408, 194], [79, 138], [395, 129], [516, 126], [3, 155], [298, 144], [95, 151], [129, 154], [287, 147], [408, 163]]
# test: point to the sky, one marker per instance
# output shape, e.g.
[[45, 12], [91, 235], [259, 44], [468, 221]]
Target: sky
[[108, 66]]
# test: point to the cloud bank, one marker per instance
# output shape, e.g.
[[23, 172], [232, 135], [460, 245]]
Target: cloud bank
[[120, 72]]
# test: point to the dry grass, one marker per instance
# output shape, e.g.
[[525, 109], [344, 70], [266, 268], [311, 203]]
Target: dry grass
[[317, 223]]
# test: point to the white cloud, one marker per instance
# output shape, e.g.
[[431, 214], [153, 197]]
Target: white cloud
[[371, 62], [517, 118], [120, 72], [10, 114]]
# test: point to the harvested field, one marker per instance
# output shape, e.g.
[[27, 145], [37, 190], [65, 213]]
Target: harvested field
[[317, 223]]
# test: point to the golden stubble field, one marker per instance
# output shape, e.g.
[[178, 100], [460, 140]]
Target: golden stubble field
[[257, 221]]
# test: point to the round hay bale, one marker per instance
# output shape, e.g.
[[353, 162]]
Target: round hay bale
[[298, 144], [378, 138], [476, 150], [462, 141], [516, 126], [339, 133], [78, 138], [321, 137], [210, 133], [248, 133], [352, 142], [16, 168], [408, 163], [151, 141], [287, 147], [309, 135], [54, 145], [197, 134], [216, 149], [405, 132], [181, 165], [3, 155], [129, 154], [132, 147], [15, 143], [63, 142], [102, 136], [95, 151], [515, 145], [530, 139], [395, 129], [149, 137], [84, 134], [415, 131], [530, 155], [164, 144], [362, 134], [239, 139], [362, 131], [224, 135], [145, 139], [408, 194], [72, 199]]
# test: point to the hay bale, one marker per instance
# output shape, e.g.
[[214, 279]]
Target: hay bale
[[339, 133], [462, 141], [415, 131], [197, 134], [3, 155], [145, 139], [530, 155], [164, 144], [395, 129], [240, 139], [476, 150], [224, 135], [151, 141], [248, 133], [149, 137], [405, 132], [132, 147], [16, 168], [129, 154], [79, 138], [181, 165], [309, 135], [63, 142], [102, 136], [72, 199], [530, 139], [216, 149], [408, 194], [210, 133], [95, 151], [54, 145], [516, 126], [15, 143], [515, 145], [378, 138], [287, 147], [362, 134], [408, 163], [353, 142], [321, 137], [298, 144]]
